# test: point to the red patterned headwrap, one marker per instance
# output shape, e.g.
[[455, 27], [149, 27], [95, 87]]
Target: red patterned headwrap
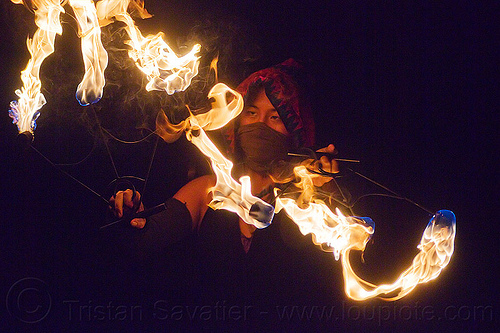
[[281, 85]]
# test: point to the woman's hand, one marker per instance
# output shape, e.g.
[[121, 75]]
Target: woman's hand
[[124, 203], [327, 164]]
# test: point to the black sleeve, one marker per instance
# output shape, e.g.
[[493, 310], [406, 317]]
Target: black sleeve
[[161, 232], [165, 228]]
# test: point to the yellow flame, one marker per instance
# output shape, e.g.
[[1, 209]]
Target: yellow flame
[[227, 193], [26, 109], [314, 217], [95, 56], [343, 234], [152, 55]]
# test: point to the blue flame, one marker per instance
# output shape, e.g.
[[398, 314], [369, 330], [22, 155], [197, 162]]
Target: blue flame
[[33, 120], [15, 114], [262, 212], [366, 222], [443, 218], [14, 111], [82, 103]]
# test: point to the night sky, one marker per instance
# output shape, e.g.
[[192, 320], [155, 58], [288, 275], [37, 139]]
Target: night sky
[[405, 88]]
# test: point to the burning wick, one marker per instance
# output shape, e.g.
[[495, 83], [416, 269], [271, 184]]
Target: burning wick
[[262, 213], [25, 138]]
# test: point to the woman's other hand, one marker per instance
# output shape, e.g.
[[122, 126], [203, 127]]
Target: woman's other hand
[[124, 203]]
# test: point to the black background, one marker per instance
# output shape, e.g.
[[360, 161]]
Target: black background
[[407, 88]]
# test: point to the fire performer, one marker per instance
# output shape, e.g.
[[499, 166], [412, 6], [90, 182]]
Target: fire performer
[[276, 119]]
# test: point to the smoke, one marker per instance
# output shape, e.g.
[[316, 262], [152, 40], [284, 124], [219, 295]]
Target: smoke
[[232, 41], [127, 104]]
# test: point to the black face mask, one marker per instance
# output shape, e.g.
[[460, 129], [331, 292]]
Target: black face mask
[[260, 145]]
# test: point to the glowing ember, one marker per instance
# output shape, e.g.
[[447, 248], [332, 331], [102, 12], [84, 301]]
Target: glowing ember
[[227, 193]]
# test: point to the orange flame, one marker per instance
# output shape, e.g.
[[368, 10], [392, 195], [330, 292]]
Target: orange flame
[[213, 66]]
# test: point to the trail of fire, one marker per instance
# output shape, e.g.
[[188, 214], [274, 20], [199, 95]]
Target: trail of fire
[[152, 55], [341, 234], [227, 193], [170, 73], [344, 234], [25, 111], [95, 56]]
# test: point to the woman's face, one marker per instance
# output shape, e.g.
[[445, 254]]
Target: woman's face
[[261, 110]]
